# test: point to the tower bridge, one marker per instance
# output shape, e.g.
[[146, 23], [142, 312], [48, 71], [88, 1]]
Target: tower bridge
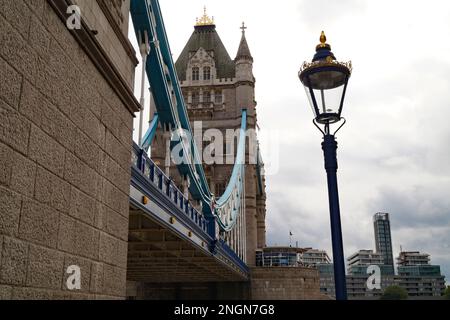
[[75, 190]]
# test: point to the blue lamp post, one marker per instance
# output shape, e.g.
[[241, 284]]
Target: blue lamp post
[[325, 81]]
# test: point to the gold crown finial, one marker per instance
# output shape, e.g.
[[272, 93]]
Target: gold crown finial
[[323, 38], [205, 20]]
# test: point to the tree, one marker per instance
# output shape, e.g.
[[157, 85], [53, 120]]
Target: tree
[[394, 293], [447, 293]]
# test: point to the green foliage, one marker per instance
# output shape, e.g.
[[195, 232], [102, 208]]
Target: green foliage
[[447, 293], [394, 293]]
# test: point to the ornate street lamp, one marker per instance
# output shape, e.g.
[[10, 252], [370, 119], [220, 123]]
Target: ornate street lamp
[[325, 81]]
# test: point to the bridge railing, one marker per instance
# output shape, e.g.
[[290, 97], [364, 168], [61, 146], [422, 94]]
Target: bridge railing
[[141, 161]]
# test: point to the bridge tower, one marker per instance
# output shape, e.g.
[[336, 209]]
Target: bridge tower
[[216, 88]]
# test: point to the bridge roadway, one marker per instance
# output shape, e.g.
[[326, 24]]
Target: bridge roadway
[[168, 237]]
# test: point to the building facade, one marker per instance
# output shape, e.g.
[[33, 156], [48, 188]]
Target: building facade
[[418, 276], [313, 257], [383, 239], [216, 88], [279, 257]]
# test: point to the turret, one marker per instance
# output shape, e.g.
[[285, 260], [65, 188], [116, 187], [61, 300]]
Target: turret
[[245, 81], [244, 60]]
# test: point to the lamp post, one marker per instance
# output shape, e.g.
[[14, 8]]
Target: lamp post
[[325, 81]]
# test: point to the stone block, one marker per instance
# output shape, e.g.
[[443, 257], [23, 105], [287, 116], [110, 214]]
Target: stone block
[[109, 118], [5, 292], [39, 224], [90, 97], [115, 199], [6, 164], [39, 38], [14, 129], [84, 207], [37, 6], [1, 249], [45, 268], [52, 191], [10, 85], [39, 110], [23, 175], [18, 15], [14, 262], [15, 49], [85, 270], [114, 281], [117, 151], [278, 283], [96, 284], [82, 176], [87, 150], [78, 238], [10, 203], [117, 175], [113, 251], [24, 293], [88, 123], [46, 151], [125, 133], [115, 224]]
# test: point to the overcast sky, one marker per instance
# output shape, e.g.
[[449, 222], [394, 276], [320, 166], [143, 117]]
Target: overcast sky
[[394, 152]]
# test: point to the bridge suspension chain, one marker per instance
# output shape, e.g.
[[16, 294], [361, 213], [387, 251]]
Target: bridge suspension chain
[[229, 210]]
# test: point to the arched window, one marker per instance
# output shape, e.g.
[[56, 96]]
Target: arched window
[[218, 97], [206, 97], [195, 98], [195, 74], [206, 73]]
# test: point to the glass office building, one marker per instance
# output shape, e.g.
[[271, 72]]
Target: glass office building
[[383, 239]]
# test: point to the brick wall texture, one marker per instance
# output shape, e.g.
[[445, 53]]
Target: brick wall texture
[[65, 143]]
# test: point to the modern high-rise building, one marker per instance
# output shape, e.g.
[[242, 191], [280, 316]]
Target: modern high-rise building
[[383, 239], [412, 258], [357, 274], [418, 276], [313, 257]]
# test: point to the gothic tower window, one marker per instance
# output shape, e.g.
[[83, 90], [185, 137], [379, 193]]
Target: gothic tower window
[[207, 97], [206, 73], [195, 98], [220, 189], [195, 74], [218, 98]]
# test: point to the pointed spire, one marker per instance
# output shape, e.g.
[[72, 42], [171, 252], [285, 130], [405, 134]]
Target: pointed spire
[[244, 50]]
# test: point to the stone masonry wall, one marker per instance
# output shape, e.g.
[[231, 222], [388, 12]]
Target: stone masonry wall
[[282, 283], [65, 141]]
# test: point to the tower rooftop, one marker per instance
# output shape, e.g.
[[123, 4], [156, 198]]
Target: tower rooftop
[[205, 36]]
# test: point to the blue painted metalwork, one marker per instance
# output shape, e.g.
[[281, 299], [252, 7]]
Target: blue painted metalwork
[[329, 146], [151, 180], [150, 134]]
